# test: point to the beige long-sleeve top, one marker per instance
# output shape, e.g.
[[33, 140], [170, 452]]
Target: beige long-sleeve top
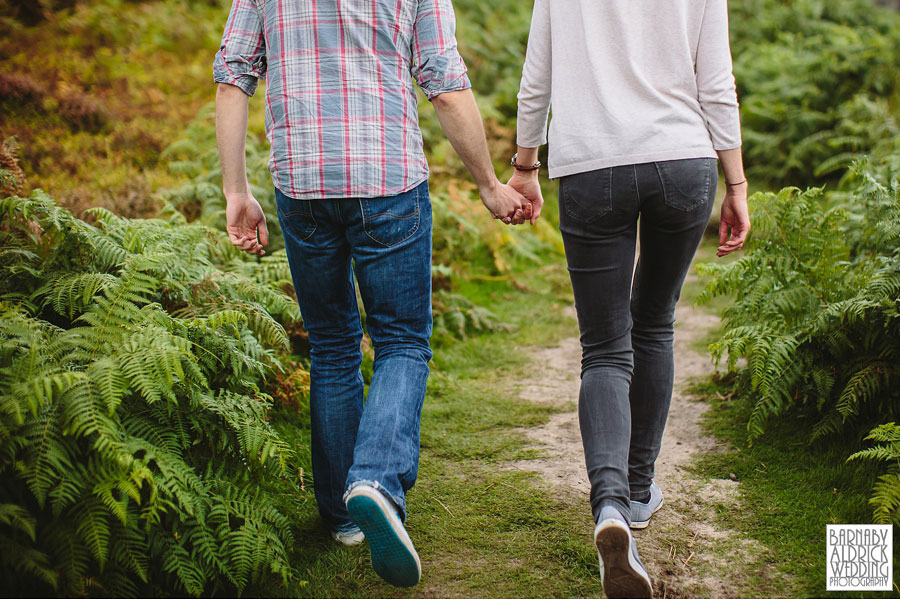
[[629, 81]]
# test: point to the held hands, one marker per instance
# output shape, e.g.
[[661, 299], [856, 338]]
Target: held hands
[[505, 203], [734, 224], [244, 217], [518, 201], [528, 185]]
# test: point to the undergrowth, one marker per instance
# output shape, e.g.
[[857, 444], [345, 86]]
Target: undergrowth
[[816, 315], [135, 453]]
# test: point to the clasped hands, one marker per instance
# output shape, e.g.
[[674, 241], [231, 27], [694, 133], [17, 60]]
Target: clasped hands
[[516, 202]]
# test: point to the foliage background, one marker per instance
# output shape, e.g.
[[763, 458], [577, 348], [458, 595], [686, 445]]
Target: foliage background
[[106, 103]]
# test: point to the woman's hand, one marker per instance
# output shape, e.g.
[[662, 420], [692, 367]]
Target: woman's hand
[[734, 224], [528, 185]]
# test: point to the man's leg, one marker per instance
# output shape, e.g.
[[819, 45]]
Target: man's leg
[[392, 251], [319, 257], [391, 239], [677, 199]]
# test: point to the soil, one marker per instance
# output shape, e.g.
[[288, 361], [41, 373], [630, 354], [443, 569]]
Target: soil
[[688, 549]]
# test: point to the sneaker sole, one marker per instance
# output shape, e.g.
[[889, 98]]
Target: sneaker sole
[[640, 525], [621, 579], [393, 556]]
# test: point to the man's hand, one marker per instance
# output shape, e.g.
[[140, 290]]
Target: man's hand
[[528, 185], [245, 217], [505, 204], [734, 224]]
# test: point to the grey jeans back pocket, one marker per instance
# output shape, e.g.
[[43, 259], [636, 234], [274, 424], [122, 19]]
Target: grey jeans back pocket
[[587, 197], [687, 182]]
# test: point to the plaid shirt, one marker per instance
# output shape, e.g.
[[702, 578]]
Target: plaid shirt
[[341, 107]]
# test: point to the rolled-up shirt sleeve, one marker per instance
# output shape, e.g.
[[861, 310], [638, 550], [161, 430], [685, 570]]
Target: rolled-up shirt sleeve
[[437, 65], [715, 78], [241, 59]]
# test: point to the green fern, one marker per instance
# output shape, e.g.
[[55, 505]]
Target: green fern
[[886, 493], [135, 438], [814, 328]]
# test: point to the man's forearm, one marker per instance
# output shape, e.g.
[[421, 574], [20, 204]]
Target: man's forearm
[[231, 135], [461, 122]]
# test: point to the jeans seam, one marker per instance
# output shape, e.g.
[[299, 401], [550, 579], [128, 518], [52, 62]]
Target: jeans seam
[[637, 186], [662, 182]]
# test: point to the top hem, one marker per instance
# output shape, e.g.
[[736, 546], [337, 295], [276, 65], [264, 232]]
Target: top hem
[[558, 171], [348, 194]]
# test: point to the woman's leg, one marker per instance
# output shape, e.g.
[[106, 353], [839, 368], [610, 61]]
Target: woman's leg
[[598, 214], [676, 202]]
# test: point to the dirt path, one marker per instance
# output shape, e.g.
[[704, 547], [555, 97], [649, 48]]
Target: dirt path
[[687, 553]]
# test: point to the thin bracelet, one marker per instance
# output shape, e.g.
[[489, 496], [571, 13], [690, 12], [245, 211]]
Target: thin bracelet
[[736, 183]]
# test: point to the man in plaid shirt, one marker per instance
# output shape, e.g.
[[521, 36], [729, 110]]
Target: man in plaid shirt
[[351, 188]]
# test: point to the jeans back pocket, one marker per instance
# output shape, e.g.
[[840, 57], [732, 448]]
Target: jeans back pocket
[[295, 215], [391, 220], [687, 182], [587, 197]]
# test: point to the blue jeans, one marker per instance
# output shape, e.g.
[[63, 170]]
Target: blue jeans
[[627, 315], [387, 243]]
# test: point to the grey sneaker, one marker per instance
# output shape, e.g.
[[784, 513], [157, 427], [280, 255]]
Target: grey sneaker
[[642, 512], [622, 574], [352, 537]]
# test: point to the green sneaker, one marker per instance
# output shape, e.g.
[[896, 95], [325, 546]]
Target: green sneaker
[[393, 556]]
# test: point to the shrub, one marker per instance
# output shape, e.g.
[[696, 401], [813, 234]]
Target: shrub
[[20, 88], [135, 454], [82, 111], [816, 315], [815, 310], [801, 68], [886, 494]]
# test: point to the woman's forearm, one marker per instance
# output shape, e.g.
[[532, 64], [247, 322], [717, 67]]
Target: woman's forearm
[[732, 166]]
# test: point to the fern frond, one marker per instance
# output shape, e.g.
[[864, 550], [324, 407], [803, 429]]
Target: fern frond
[[886, 499], [178, 561], [863, 386], [92, 526], [19, 519]]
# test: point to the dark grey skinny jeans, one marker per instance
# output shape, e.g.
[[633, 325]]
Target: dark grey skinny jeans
[[627, 324]]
